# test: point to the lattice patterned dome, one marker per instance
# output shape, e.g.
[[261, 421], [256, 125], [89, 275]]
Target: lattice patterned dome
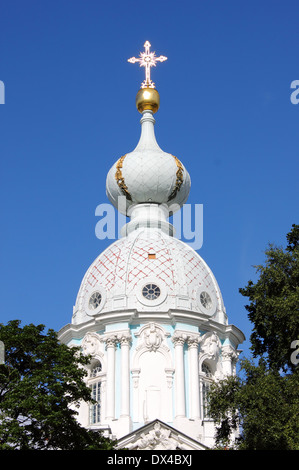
[[148, 174], [148, 271]]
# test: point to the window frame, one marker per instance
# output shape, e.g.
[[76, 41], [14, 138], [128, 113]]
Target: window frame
[[95, 383], [206, 380]]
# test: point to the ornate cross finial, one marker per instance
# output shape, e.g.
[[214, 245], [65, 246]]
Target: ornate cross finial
[[147, 59]]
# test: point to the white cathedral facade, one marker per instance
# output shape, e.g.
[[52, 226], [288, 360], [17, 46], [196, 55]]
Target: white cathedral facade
[[150, 312]]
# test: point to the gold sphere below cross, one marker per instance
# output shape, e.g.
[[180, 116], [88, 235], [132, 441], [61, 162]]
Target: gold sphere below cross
[[147, 99]]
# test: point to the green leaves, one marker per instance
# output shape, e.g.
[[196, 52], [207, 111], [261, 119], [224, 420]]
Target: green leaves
[[274, 304], [40, 384], [263, 400], [263, 403]]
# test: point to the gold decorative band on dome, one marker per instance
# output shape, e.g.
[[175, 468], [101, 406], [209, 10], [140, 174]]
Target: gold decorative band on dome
[[120, 179], [179, 178], [124, 189]]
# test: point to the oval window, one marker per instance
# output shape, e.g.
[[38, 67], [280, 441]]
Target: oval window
[[95, 300]]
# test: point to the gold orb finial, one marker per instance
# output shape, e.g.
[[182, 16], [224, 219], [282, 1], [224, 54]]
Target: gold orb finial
[[147, 99]]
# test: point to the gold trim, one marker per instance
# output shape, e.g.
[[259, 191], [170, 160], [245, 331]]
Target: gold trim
[[120, 179], [179, 178], [124, 189]]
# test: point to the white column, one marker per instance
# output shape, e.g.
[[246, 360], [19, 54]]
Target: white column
[[125, 375], [180, 408], [229, 358], [193, 377], [110, 386]]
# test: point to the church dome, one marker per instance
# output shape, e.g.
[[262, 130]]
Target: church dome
[[148, 174], [149, 271], [149, 311]]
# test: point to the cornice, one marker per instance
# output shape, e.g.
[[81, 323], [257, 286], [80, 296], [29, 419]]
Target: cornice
[[133, 317]]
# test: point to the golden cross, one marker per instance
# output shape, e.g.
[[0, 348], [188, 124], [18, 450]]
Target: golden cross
[[147, 59]]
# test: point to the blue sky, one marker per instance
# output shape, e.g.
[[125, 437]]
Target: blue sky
[[70, 113]]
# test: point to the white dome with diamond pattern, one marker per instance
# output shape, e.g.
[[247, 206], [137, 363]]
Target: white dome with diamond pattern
[[148, 174], [149, 271]]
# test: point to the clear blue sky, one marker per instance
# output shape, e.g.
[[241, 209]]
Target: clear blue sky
[[70, 112]]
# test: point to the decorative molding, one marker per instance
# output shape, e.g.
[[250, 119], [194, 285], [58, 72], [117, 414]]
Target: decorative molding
[[120, 180], [135, 376], [125, 339], [151, 337], [178, 340], [179, 179], [111, 341], [182, 337], [210, 345], [118, 337], [169, 377], [91, 344], [158, 437], [229, 353], [193, 341]]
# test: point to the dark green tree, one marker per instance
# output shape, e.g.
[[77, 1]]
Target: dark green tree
[[263, 402], [274, 304], [263, 399], [41, 383]]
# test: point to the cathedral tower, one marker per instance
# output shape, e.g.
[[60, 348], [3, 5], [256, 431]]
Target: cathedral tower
[[149, 309]]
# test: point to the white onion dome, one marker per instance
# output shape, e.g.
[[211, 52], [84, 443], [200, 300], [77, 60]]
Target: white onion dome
[[148, 174]]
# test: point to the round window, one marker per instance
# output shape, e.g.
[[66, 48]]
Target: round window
[[95, 300], [151, 291], [206, 300]]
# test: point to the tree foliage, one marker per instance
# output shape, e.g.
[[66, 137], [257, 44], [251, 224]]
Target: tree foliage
[[41, 383], [274, 304], [263, 400]]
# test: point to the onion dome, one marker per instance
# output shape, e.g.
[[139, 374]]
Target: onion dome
[[148, 174]]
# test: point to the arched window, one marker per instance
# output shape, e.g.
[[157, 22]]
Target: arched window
[[96, 370], [95, 382], [206, 380], [206, 370]]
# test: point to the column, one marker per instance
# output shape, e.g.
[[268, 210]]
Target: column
[[180, 408], [110, 385], [229, 358], [193, 376], [125, 341]]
